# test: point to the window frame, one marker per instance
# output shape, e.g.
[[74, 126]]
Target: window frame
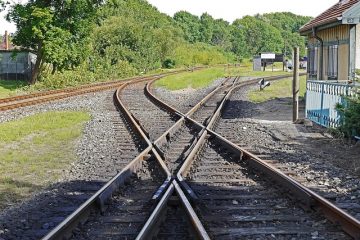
[[333, 62], [313, 61]]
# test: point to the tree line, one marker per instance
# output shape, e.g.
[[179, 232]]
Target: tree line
[[91, 40]]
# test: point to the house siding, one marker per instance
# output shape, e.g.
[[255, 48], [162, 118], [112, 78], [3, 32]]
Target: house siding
[[338, 35]]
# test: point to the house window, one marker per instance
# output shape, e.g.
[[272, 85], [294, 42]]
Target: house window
[[333, 62], [313, 62]]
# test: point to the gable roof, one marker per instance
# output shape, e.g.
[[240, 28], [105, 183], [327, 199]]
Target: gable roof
[[332, 15]]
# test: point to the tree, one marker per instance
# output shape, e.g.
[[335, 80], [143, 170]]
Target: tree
[[207, 28], [190, 24], [221, 34], [55, 30], [260, 36]]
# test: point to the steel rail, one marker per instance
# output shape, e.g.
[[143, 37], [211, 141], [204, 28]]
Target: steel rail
[[206, 130], [51, 95], [99, 199], [311, 199]]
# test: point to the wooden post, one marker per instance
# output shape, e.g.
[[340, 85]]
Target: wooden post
[[296, 85]]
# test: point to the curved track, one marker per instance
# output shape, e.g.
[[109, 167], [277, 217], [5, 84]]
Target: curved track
[[233, 191]]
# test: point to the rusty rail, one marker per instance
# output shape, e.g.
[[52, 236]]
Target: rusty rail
[[170, 186]]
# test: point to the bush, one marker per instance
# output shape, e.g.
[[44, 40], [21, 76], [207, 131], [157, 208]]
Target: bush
[[86, 74], [168, 63], [350, 112]]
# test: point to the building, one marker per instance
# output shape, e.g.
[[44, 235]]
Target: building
[[334, 42], [333, 57], [17, 66]]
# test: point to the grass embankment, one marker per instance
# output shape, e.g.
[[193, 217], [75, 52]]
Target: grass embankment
[[11, 87], [278, 89], [35, 150], [205, 77], [196, 79]]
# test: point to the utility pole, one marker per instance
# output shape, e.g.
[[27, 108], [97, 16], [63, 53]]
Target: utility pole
[[296, 85]]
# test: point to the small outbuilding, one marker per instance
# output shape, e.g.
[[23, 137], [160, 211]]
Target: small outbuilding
[[334, 42], [333, 59], [15, 64], [261, 61]]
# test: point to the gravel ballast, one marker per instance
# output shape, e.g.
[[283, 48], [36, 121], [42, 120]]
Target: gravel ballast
[[317, 160], [105, 147]]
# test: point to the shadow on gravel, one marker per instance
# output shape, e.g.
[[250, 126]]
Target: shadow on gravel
[[279, 109], [37, 216], [250, 205]]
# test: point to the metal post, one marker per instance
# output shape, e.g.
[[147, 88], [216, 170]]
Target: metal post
[[296, 85]]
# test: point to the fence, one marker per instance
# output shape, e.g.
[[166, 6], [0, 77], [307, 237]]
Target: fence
[[321, 99], [17, 68]]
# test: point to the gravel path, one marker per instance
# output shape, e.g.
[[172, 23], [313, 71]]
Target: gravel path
[[327, 165]]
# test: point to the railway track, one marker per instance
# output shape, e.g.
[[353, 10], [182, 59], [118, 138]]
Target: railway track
[[348, 202], [155, 121], [235, 202], [51, 95], [230, 202], [65, 198]]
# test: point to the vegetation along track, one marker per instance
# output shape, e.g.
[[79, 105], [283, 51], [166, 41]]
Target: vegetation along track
[[46, 96], [237, 165]]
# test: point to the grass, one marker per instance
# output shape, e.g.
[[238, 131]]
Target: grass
[[35, 150], [196, 79], [205, 77], [10, 87], [278, 89]]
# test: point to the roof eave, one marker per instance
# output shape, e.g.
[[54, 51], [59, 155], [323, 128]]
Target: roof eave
[[308, 29]]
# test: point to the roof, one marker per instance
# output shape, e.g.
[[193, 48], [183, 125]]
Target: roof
[[332, 15], [3, 44]]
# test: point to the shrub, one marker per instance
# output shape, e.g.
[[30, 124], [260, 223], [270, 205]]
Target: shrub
[[350, 112], [86, 74], [169, 63]]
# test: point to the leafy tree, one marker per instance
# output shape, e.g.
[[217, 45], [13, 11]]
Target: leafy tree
[[221, 34], [260, 36], [56, 30], [238, 41], [207, 28], [190, 24]]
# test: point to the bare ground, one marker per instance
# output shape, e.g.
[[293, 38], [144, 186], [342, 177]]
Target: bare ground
[[308, 152]]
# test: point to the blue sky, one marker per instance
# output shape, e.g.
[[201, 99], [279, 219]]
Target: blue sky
[[227, 9]]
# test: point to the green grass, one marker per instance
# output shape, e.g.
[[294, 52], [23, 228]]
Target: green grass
[[196, 79], [35, 150], [278, 89], [10, 87], [205, 77]]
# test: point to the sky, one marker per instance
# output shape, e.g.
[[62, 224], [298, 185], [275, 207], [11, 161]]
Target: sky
[[227, 9]]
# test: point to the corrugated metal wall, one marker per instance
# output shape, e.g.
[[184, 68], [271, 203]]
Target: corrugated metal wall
[[18, 68]]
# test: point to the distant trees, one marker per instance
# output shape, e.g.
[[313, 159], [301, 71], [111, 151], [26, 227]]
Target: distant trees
[[275, 32], [116, 38]]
